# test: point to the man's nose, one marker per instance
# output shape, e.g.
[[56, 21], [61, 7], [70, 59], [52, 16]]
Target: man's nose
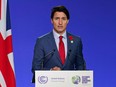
[[60, 21]]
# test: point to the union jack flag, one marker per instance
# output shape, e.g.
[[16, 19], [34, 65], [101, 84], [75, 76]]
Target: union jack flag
[[7, 75]]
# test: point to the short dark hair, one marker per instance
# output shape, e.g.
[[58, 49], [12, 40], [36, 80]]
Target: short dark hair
[[60, 9]]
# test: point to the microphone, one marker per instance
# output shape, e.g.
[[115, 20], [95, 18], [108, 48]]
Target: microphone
[[69, 55], [43, 59], [69, 52]]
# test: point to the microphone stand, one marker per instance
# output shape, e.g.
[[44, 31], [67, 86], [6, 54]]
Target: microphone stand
[[42, 64], [42, 60]]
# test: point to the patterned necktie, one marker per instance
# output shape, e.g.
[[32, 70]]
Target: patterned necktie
[[62, 50]]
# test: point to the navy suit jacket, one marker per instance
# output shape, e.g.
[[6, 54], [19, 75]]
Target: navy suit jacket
[[46, 55]]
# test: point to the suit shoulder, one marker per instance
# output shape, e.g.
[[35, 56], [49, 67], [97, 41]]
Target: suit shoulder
[[44, 36], [42, 39], [74, 36]]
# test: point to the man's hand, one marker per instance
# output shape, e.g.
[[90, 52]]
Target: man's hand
[[56, 68]]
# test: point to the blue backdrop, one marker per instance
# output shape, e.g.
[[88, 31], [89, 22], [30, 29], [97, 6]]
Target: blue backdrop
[[93, 20]]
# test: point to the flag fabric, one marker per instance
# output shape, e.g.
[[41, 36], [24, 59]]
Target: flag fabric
[[7, 74]]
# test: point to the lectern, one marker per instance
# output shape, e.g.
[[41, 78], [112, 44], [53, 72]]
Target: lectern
[[64, 78]]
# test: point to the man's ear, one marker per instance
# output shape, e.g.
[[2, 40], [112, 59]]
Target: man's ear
[[67, 21]]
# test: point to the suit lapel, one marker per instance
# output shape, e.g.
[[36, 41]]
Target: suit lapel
[[53, 46], [69, 44], [69, 49]]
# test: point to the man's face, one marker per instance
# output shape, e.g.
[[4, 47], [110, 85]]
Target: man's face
[[59, 22]]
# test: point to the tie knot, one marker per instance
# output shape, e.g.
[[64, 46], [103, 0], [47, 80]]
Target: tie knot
[[60, 37]]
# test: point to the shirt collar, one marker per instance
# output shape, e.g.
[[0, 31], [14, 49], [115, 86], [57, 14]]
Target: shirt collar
[[56, 35]]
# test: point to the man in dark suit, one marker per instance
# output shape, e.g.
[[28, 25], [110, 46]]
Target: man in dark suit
[[58, 50]]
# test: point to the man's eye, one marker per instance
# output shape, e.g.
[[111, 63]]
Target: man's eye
[[64, 18], [56, 18]]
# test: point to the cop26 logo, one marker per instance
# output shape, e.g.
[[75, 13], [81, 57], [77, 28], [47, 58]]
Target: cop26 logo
[[42, 79], [76, 79]]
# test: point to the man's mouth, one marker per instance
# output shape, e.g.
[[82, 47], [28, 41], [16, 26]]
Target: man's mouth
[[60, 26]]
